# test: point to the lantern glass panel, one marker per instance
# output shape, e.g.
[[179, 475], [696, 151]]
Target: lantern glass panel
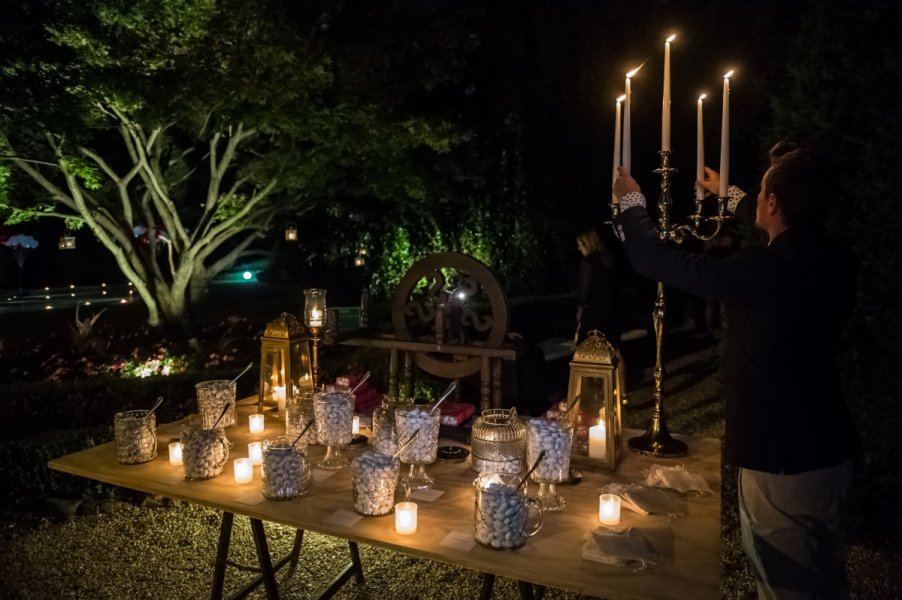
[[314, 307]]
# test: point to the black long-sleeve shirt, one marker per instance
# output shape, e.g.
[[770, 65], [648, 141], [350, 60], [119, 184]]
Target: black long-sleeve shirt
[[787, 305]]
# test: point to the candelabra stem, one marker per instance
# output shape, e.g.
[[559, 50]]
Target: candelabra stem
[[314, 359], [656, 441]]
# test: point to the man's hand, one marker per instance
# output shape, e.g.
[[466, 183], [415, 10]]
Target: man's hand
[[624, 183], [711, 184]]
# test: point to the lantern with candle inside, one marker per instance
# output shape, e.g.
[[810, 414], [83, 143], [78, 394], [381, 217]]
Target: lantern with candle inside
[[244, 470], [315, 320], [406, 518], [595, 387], [285, 365], [609, 509]]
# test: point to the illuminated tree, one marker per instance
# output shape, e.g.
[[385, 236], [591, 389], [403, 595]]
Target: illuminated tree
[[192, 122]]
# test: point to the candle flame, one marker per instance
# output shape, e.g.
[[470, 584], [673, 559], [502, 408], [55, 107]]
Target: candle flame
[[728, 74], [621, 98], [633, 72], [702, 97], [671, 38]]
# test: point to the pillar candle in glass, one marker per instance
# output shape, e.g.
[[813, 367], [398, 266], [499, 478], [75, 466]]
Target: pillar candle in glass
[[244, 470], [255, 452], [406, 518], [609, 509], [725, 138], [256, 423]]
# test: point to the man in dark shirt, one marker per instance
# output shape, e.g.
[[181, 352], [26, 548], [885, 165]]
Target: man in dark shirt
[[787, 424]]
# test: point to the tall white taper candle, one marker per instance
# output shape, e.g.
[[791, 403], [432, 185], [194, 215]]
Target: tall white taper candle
[[725, 138], [665, 103], [617, 134], [700, 150], [626, 161]]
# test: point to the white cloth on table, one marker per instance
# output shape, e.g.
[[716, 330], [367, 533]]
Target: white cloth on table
[[677, 478], [621, 547]]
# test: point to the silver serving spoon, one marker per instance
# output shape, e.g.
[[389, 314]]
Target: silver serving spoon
[[403, 446], [359, 383], [249, 365], [451, 387], [306, 427], [154, 407], [225, 409], [531, 469]]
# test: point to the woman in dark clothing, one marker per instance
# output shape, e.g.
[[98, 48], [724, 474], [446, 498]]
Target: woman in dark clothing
[[598, 289], [598, 296]]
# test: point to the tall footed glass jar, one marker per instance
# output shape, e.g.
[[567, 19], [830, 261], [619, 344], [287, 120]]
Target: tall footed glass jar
[[555, 437], [421, 450], [334, 413]]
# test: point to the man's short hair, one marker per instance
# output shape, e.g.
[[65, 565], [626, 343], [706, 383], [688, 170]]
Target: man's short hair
[[806, 185]]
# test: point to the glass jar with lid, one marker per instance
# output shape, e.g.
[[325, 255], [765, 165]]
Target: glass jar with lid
[[498, 442]]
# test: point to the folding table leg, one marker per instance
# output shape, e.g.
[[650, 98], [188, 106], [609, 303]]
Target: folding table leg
[[222, 555], [266, 570], [488, 582], [355, 568]]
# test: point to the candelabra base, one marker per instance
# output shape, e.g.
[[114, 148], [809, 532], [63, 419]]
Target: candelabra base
[[656, 441]]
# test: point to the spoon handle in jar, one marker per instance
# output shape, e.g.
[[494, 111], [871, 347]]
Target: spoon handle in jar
[[405, 444], [225, 409], [306, 427], [451, 387], [531, 469]]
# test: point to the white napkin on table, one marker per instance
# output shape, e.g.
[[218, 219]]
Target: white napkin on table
[[678, 478], [621, 547]]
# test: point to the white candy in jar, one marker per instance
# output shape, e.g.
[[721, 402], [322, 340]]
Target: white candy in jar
[[424, 448], [285, 471], [204, 453], [500, 517], [212, 397], [334, 418], [375, 476], [136, 439], [554, 437]]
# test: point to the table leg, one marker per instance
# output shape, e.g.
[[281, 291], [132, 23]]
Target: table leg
[[267, 572], [355, 568], [222, 555], [488, 582], [526, 592]]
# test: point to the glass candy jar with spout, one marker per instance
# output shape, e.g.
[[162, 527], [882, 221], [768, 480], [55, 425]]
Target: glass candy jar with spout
[[204, 451], [499, 442]]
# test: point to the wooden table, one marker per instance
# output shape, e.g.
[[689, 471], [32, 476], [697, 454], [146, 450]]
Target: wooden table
[[689, 546]]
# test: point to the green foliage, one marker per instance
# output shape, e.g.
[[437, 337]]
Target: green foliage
[[854, 52]]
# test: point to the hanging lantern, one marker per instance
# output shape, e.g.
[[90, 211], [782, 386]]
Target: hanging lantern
[[291, 232], [596, 417], [67, 242], [359, 260], [285, 367]]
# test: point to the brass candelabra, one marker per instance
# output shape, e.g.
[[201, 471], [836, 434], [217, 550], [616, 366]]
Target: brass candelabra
[[657, 441]]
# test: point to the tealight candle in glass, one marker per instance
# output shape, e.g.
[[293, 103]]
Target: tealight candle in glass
[[609, 509], [256, 423], [255, 452], [244, 470], [175, 453], [406, 518]]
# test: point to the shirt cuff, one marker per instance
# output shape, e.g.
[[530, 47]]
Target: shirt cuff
[[630, 200], [734, 195]]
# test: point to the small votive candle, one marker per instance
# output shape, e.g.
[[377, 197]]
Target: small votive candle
[[406, 518], [175, 453], [255, 423], [255, 452], [609, 509], [244, 470], [355, 425]]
